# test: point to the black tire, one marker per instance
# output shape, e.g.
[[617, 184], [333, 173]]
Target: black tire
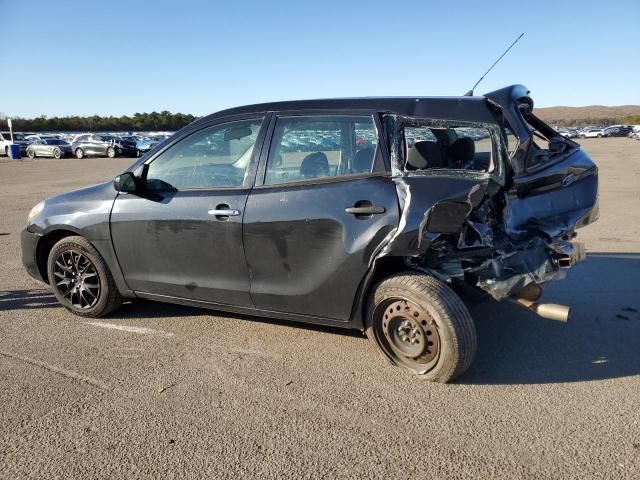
[[102, 301], [31, 153], [111, 152], [438, 321], [57, 153], [79, 153]]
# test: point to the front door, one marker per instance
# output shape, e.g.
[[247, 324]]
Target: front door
[[181, 236], [313, 226]]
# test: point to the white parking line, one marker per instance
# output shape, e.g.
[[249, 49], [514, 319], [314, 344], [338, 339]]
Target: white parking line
[[126, 328]]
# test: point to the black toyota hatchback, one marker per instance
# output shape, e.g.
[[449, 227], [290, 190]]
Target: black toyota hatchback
[[362, 213]]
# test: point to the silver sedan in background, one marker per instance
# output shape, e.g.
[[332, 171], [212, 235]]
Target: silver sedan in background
[[49, 147]]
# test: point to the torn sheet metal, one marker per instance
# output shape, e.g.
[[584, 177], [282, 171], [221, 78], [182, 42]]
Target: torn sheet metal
[[502, 230]]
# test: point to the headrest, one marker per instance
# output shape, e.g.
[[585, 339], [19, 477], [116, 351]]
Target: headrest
[[424, 154], [461, 151], [315, 165]]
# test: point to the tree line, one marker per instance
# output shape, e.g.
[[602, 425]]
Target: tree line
[[153, 121]]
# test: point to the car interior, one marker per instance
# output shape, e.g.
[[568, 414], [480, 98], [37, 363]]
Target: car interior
[[458, 148], [316, 147]]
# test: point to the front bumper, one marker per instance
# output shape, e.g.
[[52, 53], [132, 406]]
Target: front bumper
[[29, 245]]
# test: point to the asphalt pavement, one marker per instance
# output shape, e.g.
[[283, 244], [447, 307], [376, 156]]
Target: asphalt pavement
[[163, 391]]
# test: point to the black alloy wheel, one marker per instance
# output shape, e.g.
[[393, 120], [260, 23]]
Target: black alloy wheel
[[80, 278], [76, 279]]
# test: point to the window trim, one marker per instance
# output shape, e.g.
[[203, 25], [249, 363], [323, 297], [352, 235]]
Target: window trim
[[269, 144], [250, 172]]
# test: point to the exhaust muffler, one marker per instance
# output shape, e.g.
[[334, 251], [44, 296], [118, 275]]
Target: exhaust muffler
[[527, 298]]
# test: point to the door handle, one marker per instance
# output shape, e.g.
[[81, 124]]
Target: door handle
[[365, 210], [224, 212]]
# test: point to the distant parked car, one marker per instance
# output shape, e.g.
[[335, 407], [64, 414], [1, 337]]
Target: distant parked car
[[592, 133], [49, 147], [617, 131], [568, 133], [102, 145], [33, 138], [145, 145], [18, 139]]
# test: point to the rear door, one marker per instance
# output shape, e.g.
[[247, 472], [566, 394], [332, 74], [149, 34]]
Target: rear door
[[181, 236], [322, 206]]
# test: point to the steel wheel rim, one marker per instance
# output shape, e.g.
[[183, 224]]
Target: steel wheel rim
[[408, 334], [77, 279]]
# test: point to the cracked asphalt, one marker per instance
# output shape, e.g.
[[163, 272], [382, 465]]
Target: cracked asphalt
[[162, 391]]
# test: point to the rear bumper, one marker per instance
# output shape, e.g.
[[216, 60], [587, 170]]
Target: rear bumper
[[29, 245]]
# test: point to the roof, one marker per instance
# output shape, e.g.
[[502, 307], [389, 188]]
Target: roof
[[472, 109]]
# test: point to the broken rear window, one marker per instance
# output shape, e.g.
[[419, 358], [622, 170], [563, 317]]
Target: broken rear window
[[460, 148], [549, 145]]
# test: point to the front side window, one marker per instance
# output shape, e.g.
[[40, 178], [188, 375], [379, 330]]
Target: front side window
[[458, 148], [314, 147], [216, 156]]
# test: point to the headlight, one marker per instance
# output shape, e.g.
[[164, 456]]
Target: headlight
[[35, 211]]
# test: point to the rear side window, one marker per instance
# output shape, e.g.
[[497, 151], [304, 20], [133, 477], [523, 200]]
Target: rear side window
[[461, 148], [312, 147]]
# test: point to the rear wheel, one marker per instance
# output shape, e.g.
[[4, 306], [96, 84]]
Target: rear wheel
[[57, 153], [111, 152], [79, 153], [80, 278], [420, 324]]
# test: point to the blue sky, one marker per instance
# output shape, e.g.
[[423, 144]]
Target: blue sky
[[120, 57]]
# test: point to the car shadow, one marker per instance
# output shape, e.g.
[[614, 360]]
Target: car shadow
[[149, 309], [27, 299], [600, 341]]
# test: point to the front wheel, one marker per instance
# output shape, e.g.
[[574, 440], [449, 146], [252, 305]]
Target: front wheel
[[420, 324], [79, 153], [57, 154], [31, 153], [80, 278]]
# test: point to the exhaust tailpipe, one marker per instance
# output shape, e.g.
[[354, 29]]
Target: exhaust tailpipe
[[552, 311], [528, 298]]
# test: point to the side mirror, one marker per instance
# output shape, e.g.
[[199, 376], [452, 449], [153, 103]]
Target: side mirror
[[125, 182]]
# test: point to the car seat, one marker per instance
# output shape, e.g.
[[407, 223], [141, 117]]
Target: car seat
[[461, 152], [424, 154], [314, 165], [362, 160]]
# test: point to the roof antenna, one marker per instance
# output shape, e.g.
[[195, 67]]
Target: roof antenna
[[470, 92]]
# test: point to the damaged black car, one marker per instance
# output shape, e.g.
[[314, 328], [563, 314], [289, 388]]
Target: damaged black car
[[364, 213]]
